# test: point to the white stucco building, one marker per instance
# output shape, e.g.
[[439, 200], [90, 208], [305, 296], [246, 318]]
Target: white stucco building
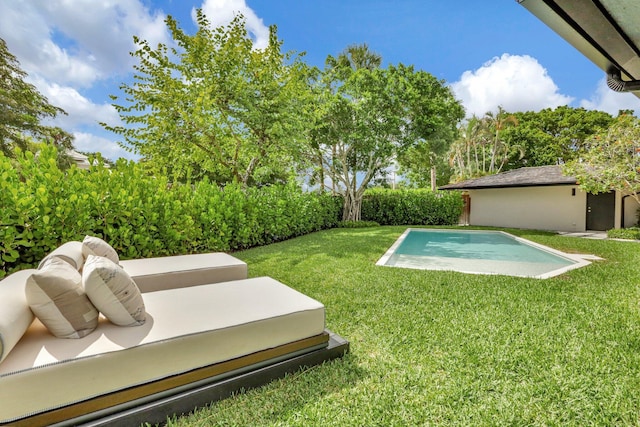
[[544, 199]]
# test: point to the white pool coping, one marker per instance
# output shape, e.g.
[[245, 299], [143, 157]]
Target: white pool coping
[[578, 259]]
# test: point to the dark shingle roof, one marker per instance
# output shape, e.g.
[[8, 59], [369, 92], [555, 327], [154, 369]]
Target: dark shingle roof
[[523, 177]]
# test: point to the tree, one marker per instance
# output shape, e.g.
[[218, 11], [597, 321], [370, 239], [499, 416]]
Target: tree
[[496, 124], [481, 148], [418, 165], [355, 57], [368, 117], [611, 159], [216, 106], [22, 109], [464, 156], [545, 137], [552, 136], [338, 69]]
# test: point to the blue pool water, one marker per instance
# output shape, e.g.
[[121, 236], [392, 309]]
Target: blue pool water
[[484, 252]]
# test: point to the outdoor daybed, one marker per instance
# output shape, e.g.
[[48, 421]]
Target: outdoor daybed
[[208, 332]]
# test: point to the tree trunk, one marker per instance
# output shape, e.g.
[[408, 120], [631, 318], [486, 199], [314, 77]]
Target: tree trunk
[[433, 178], [352, 207], [321, 172]]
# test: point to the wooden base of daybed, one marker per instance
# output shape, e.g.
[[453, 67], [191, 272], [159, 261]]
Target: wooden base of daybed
[[181, 394]]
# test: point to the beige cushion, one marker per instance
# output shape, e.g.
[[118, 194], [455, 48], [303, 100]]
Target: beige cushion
[[56, 297], [70, 252], [92, 245], [186, 329], [15, 316], [113, 292]]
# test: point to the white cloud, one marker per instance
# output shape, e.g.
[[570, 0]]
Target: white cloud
[[68, 46], [517, 83], [80, 110], [90, 143], [97, 36], [221, 12], [610, 101]]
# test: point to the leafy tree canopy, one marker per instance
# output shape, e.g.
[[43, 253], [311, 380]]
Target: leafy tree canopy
[[503, 141], [22, 109], [611, 159], [553, 136], [216, 106], [481, 147], [369, 116]]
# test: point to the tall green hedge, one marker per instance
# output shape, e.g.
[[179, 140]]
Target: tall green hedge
[[141, 216], [411, 207], [42, 207]]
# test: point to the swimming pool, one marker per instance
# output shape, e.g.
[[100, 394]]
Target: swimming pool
[[479, 252]]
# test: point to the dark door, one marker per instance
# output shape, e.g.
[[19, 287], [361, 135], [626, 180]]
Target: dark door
[[601, 211]]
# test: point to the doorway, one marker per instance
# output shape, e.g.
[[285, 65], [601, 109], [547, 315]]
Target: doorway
[[601, 211]]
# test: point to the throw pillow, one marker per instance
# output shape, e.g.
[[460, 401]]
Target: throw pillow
[[92, 245], [70, 252], [15, 316], [113, 292], [56, 297]]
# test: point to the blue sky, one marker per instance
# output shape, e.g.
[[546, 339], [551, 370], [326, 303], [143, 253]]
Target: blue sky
[[491, 52]]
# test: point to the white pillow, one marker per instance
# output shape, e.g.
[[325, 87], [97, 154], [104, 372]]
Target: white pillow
[[70, 252], [92, 245], [113, 292], [55, 295], [15, 316]]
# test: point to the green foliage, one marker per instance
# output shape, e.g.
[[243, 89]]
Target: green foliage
[[514, 140], [482, 148], [142, 215], [217, 106], [611, 159], [632, 233], [357, 224], [22, 108], [552, 135], [367, 116], [411, 207], [438, 348]]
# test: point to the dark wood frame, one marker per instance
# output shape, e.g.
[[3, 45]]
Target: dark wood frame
[[181, 394]]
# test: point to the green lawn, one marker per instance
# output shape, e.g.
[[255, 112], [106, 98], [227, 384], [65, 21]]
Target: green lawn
[[444, 348]]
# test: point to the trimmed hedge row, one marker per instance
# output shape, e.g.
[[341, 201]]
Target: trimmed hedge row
[[142, 216], [411, 207]]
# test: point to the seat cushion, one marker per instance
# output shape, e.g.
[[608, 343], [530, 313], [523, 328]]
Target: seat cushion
[[186, 328]]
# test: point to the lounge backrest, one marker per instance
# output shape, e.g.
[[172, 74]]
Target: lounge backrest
[[181, 271], [15, 315]]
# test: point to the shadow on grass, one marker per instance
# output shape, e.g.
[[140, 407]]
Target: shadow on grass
[[283, 398]]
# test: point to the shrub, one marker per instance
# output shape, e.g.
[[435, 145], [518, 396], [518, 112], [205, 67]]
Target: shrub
[[357, 224], [141, 215], [411, 207], [632, 233]]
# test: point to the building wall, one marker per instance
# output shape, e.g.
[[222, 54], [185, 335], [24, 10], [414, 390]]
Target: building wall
[[542, 208], [630, 212]]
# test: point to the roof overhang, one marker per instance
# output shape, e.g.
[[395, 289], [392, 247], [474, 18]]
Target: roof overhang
[[605, 31]]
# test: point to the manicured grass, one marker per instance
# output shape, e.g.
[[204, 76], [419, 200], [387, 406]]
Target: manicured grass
[[444, 348]]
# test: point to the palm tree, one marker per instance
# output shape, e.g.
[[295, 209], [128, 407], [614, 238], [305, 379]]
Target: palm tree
[[496, 123], [359, 56], [464, 151]]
